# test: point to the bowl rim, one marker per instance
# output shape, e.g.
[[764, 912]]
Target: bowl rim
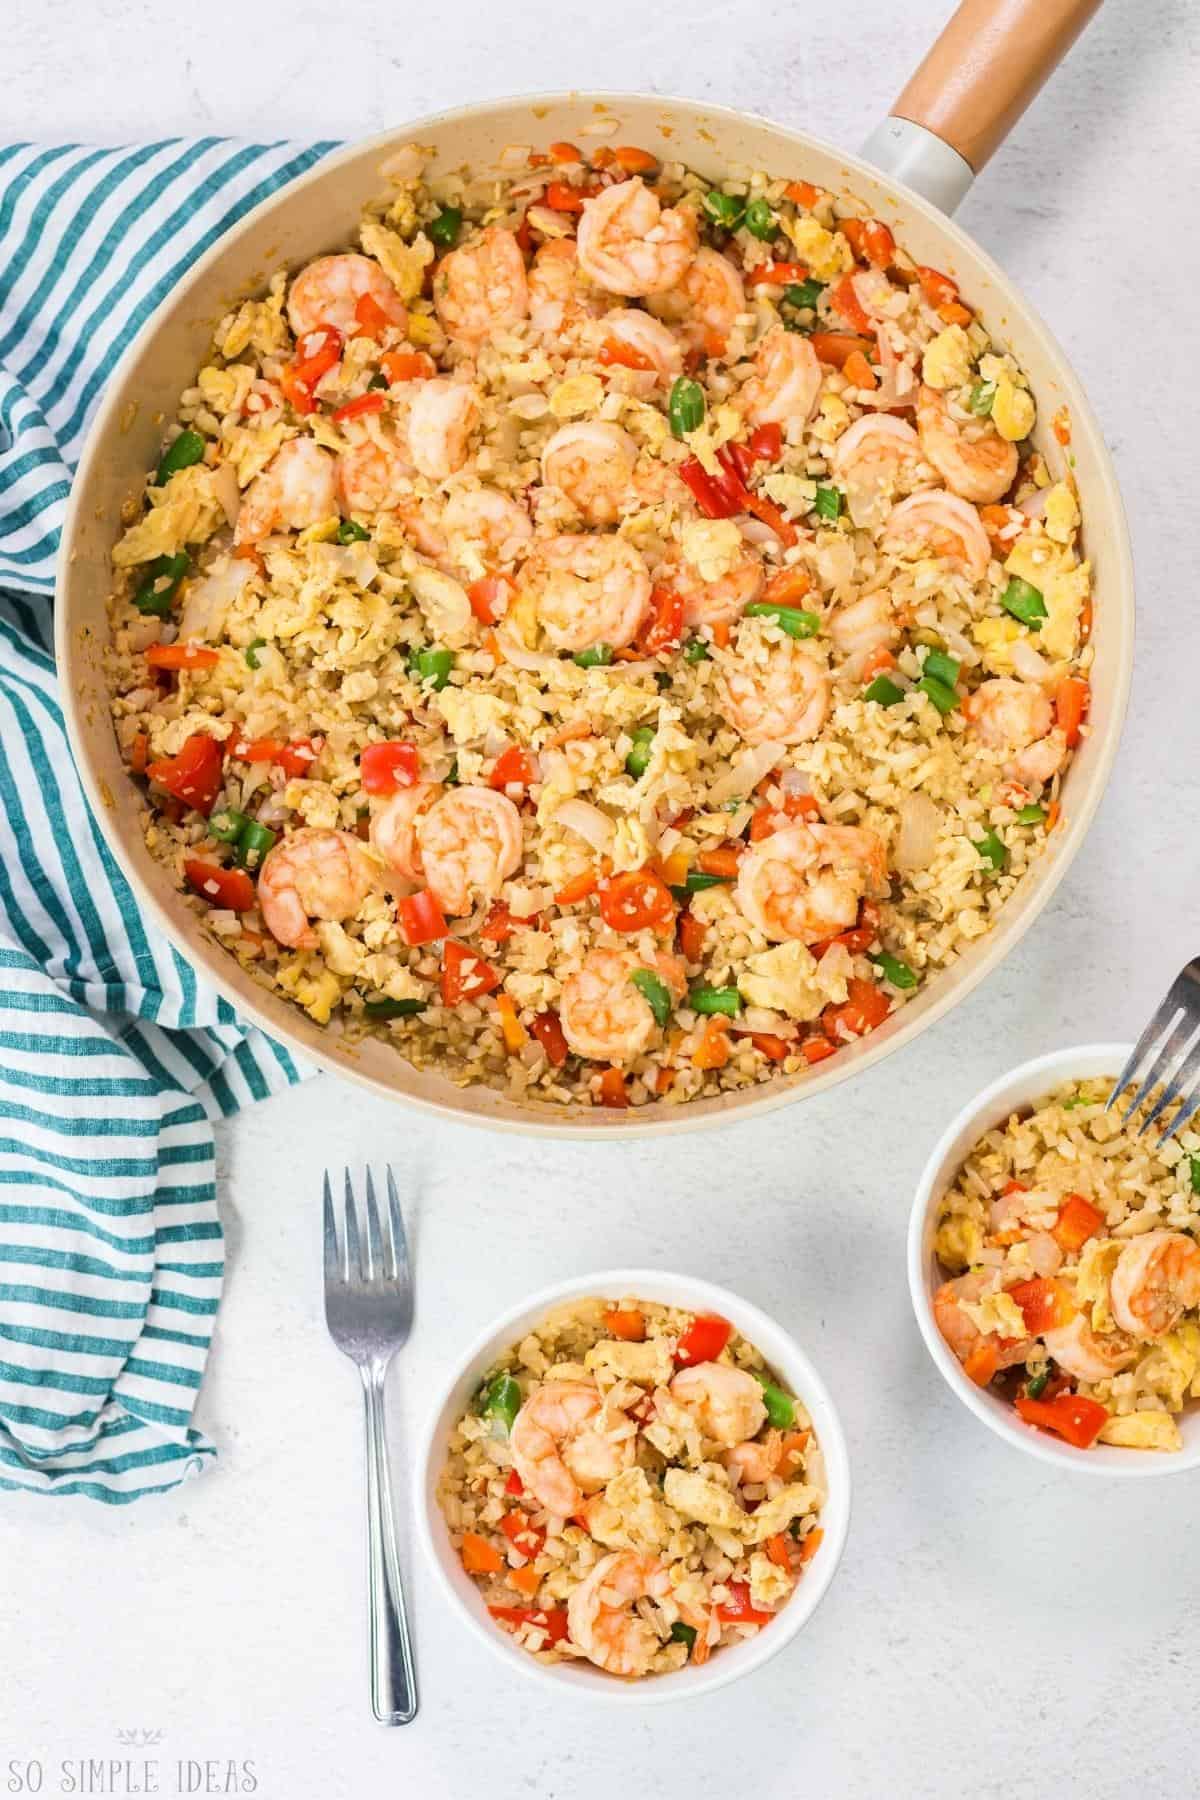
[[657, 1117], [734, 1662], [1106, 1461]]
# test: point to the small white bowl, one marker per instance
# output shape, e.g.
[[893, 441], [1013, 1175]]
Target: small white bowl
[[1022, 1086], [799, 1377]]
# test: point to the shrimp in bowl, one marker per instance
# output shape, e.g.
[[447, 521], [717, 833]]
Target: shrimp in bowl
[[704, 1521]]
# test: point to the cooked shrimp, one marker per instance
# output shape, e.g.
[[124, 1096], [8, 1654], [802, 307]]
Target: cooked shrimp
[[865, 625], [440, 421], [706, 304], [1080, 1352], [601, 1616], [630, 244], [755, 1462], [785, 702], [1018, 716], [562, 1447], [604, 1016], [720, 600], [559, 294], [589, 590], [312, 874], [470, 842], [488, 522], [961, 1332], [394, 828], [328, 291], [942, 524], [481, 288], [726, 1403], [374, 474], [785, 384], [972, 458], [592, 463], [1157, 1278], [297, 488], [807, 881], [648, 337], [878, 457]]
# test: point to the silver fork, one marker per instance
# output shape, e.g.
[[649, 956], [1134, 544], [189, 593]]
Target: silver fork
[[369, 1308], [1171, 1041]]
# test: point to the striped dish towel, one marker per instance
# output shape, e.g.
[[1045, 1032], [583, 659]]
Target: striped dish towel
[[113, 1060]]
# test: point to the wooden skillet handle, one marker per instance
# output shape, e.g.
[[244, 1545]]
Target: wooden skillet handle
[[986, 67]]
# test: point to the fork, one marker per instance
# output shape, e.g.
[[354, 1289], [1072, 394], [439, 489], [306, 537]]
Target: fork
[[368, 1309], [1172, 1042]]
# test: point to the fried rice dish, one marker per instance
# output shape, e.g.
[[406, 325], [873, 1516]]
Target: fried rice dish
[[608, 631]]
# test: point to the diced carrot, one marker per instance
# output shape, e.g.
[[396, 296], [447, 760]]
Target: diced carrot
[[1070, 707], [802, 193], [833, 347], [1060, 425], [479, 1557], [791, 1449], [937, 288], [633, 160], [515, 1034], [878, 660], [866, 1007], [407, 365], [691, 933], [561, 197], [788, 586], [624, 355], [982, 1363], [810, 1543], [602, 158], [723, 862], [611, 1089], [664, 1081], [629, 1325], [578, 888], [879, 246], [955, 313], [720, 634], [1085, 620], [1053, 814], [181, 656], [712, 1052], [775, 1049], [526, 1580], [563, 152], [778, 1551], [858, 371], [853, 231]]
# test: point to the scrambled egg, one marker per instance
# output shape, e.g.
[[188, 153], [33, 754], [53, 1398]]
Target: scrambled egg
[[444, 605], [1063, 584], [1142, 1431], [403, 264], [958, 1242], [185, 510], [784, 979], [1093, 1275], [577, 397], [255, 325], [948, 359], [777, 1513], [1061, 517], [469, 715], [712, 546], [1013, 411], [769, 1585], [697, 1496], [629, 1514], [996, 1314], [650, 1363], [826, 252], [317, 991], [225, 390]]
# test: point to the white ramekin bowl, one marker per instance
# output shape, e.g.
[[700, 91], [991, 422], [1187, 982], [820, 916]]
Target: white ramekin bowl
[[1021, 1087], [798, 1375]]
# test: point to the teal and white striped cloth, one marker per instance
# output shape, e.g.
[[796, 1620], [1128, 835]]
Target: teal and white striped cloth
[[113, 1060]]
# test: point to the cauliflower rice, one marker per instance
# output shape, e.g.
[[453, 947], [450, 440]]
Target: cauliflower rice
[[632, 1486], [1074, 1270], [609, 633]]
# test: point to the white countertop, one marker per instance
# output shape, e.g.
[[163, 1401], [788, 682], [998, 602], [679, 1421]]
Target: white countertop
[[995, 1628]]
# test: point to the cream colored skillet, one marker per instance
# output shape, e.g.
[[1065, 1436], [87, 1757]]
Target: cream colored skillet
[[988, 64]]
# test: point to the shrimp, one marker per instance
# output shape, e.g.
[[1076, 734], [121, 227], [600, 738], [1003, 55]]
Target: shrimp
[[726, 1403], [329, 290], [592, 463], [630, 244], [374, 474], [865, 625], [972, 458], [440, 421], [1019, 716], [488, 522], [603, 1015], [1157, 1278], [312, 874], [481, 289], [943, 524], [589, 590], [297, 488], [559, 294], [562, 1444], [875, 459], [706, 304], [394, 828], [754, 1462], [1080, 1352], [807, 881], [786, 702], [651, 340], [719, 601], [470, 842], [601, 1616], [961, 1332], [786, 382]]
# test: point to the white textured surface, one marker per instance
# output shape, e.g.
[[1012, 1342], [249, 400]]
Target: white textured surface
[[995, 1628]]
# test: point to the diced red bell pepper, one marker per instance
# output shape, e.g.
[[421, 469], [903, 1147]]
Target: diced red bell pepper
[[879, 246], [553, 1621], [845, 301], [611, 1089], [193, 775], [625, 356], [1045, 1304], [770, 818], [709, 493], [739, 1609], [1076, 1419], [465, 976], [548, 1031], [420, 918], [372, 319], [181, 656], [833, 347], [513, 767], [486, 596], [521, 1533], [627, 1324], [692, 933], [816, 1049], [776, 274], [1070, 707], [229, 888], [866, 1007], [775, 1049], [296, 758], [514, 1484], [354, 409], [766, 443], [636, 901], [316, 353], [860, 937], [937, 288], [704, 1339], [1077, 1221], [407, 365], [663, 629], [737, 462], [383, 768]]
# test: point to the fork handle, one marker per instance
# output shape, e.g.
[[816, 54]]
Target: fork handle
[[393, 1678]]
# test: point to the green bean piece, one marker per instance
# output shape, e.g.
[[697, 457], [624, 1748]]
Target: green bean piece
[[432, 667], [161, 583], [696, 651], [781, 1408], [1024, 602], [253, 660], [685, 406], [351, 532], [187, 449], [705, 999], [942, 667], [893, 970], [1035, 1387], [655, 992], [444, 230], [683, 1634], [943, 697], [804, 293], [638, 760], [696, 881], [884, 692], [760, 220], [982, 395], [828, 502], [392, 1009], [500, 1401], [1194, 1173], [724, 210], [1031, 815], [793, 619], [992, 851], [596, 656], [227, 825], [253, 843]]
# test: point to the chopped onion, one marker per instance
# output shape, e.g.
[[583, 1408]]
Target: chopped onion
[[1029, 663], [208, 600], [796, 781], [1034, 505], [405, 164], [591, 824], [917, 839], [745, 772], [760, 1018], [444, 603], [225, 487], [534, 662]]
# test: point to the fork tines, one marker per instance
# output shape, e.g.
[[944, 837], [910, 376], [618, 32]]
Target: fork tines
[[1168, 1052], [386, 1258]]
